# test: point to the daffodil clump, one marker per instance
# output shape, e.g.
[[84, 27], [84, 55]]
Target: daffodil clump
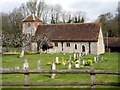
[[89, 62], [11, 53], [31, 52]]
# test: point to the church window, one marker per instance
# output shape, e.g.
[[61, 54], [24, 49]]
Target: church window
[[56, 44], [68, 44], [75, 46], [83, 48]]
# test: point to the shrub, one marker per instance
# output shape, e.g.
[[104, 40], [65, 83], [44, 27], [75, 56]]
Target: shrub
[[89, 62]]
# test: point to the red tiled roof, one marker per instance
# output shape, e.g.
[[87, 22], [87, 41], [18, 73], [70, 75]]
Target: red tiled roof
[[112, 41], [31, 18], [70, 32]]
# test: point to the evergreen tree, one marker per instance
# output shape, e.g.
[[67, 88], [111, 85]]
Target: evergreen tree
[[52, 20], [79, 20], [69, 20], [82, 20], [75, 20]]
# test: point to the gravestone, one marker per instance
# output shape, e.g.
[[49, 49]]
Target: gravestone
[[77, 64], [98, 58], [38, 64], [74, 55], [22, 53], [83, 62], [95, 59], [25, 64], [57, 61], [69, 65], [53, 67]]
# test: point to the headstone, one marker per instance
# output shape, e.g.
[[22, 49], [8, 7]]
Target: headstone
[[77, 64], [53, 67], [22, 53], [69, 65], [98, 58], [95, 59], [74, 55], [25, 64], [57, 61], [38, 64], [83, 62]]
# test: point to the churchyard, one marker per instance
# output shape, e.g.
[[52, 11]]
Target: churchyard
[[107, 61]]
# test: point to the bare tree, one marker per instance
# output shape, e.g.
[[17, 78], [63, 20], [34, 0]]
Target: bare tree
[[35, 7]]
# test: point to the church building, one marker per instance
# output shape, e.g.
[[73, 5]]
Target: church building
[[67, 37]]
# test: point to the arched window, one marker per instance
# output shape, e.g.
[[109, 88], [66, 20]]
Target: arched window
[[83, 48], [75, 46]]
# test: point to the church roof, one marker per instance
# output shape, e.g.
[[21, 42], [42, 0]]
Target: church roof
[[31, 18], [70, 32]]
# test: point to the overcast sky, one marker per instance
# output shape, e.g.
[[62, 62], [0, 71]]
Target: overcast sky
[[93, 8]]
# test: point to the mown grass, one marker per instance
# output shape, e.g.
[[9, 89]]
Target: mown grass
[[11, 61]]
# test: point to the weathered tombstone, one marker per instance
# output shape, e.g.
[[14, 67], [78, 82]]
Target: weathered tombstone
[[25, 64], [22, 53], [77, 64], [38, 65], [57, 60], [53, 67], [83, 62], [74, 55], [95, 59], [69, 65], [98, 58]]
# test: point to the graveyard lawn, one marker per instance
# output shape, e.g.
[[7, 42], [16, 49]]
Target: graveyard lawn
[[109, 62]]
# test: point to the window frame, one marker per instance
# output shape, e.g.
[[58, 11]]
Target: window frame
[[83, 48], [56, 44], [76, 46], [67, 44]]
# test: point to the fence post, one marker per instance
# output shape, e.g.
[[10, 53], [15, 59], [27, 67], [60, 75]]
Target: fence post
[[92, 79], [26, 75]]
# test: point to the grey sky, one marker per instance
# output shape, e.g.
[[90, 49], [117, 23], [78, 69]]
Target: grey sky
[[93, 8]]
